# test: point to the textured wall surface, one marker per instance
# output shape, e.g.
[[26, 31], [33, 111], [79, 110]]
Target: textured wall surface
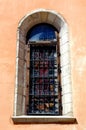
[[74, 11]]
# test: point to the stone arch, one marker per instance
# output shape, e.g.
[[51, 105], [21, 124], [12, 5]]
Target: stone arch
[[25, 24]]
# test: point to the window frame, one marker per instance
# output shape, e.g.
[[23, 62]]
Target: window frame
[[67, 103]]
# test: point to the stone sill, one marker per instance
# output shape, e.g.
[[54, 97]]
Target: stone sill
[[43, 119]]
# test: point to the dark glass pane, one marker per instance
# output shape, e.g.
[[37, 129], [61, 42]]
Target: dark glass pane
[[42, 32]]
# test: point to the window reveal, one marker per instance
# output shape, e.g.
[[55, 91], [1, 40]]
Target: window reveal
[[44, 92]]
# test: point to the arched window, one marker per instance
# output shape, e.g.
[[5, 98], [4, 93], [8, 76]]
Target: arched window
[[43, 73]]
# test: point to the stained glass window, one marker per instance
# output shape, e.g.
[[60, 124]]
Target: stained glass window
[[44, 83], [43, 93]]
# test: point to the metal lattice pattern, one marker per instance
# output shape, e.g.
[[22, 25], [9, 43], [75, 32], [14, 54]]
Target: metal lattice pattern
[[43, 93]]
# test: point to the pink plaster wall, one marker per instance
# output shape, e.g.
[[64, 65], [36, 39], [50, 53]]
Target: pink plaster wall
[[74, 11]]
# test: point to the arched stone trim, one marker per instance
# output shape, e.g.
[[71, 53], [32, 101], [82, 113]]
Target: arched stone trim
[[28, 21]]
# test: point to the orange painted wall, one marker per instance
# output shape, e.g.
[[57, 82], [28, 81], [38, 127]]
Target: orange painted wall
[[74, 11]]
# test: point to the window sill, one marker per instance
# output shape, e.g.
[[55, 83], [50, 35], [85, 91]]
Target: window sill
[[43, 119]]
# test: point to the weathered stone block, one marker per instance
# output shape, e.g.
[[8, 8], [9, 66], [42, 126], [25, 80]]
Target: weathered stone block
[[67, 98], [18, 109], [65, 70], [67, 109], [51, 18], [63, 30], [36, 17], [20, 62], [64, 38], [44, 16], [19, 89], [65, 59], [66, 79], [21, 53], [21, 37], [58, 22], [19, 99], [64, 48], [66, 88]]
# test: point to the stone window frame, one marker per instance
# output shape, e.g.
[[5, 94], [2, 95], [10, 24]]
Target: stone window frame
[[26, 23]]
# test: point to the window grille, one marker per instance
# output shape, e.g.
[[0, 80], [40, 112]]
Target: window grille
[[44, 90]]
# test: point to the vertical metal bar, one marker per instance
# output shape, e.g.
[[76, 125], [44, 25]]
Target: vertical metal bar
[[48, 79], [44, 78], [39, 83], [59, 77], [53, 80], [43, 84]]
